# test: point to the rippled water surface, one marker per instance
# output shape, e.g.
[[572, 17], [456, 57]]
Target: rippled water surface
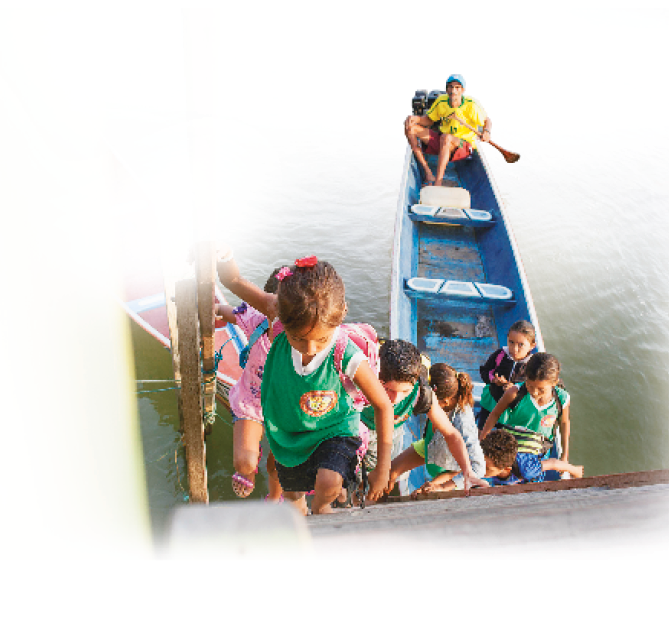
[[589, 210]]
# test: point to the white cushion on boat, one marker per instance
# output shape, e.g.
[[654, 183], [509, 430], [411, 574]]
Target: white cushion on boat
[[424, 210], [478, 390], [478, 214], [423, 284], [492, 291], [441, 196], [460, 288]]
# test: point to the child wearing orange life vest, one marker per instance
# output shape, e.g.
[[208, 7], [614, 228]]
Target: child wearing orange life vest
[[312, 424]]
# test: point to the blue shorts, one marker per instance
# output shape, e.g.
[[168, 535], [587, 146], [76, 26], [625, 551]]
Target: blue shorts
[[529, 466], [336, 454]]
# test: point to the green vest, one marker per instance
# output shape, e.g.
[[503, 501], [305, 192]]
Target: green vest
[[301, 412], [433, 469], [527, 416], [487, 400], [401, 410]]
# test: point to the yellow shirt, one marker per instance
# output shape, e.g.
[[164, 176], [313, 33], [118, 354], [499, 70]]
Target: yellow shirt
[[470, 111]]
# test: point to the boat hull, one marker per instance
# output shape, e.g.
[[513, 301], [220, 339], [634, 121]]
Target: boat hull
[[143, 299], [457, 324]]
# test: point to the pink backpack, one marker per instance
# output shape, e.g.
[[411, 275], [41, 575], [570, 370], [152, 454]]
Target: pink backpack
[[364, 336]]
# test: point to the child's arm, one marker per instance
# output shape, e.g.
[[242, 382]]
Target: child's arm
[[455, 442], [502, 405], [228, 273], [409, 459], [369, 384], [553, 464], [565, 427], [225, 312]]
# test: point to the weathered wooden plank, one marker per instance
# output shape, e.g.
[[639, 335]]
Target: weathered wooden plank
[[618, 480], [191, 388]]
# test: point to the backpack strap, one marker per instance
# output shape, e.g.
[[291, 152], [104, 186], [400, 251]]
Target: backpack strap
[[522, 392], [425, 392], [340, 348], [257, 332]]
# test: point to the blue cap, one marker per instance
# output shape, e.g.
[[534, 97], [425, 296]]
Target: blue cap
[[456, 77]]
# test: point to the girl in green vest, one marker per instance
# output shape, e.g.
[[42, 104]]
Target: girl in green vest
[[311, 423], [530, 412]]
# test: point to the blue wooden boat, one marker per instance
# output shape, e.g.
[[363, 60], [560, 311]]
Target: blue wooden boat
[[457, 281]]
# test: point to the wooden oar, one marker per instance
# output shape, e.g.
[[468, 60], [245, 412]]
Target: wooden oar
[[508, 155]]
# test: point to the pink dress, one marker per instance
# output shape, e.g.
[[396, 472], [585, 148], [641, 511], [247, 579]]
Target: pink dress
[[245, 394]]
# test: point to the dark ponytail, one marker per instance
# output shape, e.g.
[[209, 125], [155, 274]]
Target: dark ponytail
[[447, 383]]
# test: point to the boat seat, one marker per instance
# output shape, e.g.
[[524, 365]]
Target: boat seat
[[423, 284], [450, 215], [442, 196], [435, 288]]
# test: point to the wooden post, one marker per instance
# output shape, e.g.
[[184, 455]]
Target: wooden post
[[206, 285], [191, 388]]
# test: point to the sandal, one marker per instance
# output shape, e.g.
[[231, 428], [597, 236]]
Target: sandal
[[242, 486]]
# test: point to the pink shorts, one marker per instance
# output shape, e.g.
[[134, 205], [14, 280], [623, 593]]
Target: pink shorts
[[461, 152]]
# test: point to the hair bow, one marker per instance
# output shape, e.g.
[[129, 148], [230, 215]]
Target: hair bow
[[306, 262], [283, 273]]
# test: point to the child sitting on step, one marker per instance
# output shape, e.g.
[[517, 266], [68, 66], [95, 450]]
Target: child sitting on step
[[531, 412], [505, 367], [450, 449]]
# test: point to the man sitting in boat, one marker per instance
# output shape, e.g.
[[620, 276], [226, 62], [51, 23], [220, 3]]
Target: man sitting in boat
[[455, 139]]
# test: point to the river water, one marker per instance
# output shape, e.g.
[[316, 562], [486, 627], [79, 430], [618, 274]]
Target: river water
[[307, 150]]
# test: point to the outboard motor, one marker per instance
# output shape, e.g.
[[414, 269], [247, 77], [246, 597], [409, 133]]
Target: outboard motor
[[433, 95], [419, 101]]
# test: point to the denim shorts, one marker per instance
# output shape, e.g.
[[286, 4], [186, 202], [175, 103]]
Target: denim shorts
[[236, 418], [336, 454]]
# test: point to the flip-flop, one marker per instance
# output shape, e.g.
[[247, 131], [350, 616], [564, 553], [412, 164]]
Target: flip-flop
[[240, 485]]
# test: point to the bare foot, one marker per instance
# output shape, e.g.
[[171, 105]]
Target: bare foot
[[577, 471]]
